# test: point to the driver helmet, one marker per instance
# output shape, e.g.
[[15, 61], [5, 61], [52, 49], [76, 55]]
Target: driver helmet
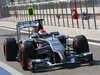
[[42, 33]]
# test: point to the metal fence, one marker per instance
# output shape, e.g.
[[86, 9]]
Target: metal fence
[[33, 1], [55, 14]]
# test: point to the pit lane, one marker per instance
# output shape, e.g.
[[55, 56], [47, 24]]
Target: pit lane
[[70, 69]]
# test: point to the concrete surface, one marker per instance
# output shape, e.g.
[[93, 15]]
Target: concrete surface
[[91, 34], [70, 69]]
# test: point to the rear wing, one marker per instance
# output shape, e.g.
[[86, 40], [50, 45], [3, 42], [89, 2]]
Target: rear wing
[[27, 24], [36, 24]]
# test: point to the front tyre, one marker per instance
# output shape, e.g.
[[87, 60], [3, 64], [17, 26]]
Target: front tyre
[[27, 52], [80, 44]]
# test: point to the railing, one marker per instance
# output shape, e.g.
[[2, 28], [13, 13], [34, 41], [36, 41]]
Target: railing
[[55, 14]]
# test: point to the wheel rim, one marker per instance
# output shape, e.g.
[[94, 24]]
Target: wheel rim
[[75, 43], [22, 57]]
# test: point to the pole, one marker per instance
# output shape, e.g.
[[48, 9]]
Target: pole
[[94, 15], [71, 15], [87, 14], [67, 15], [81, 13], [77, 15]]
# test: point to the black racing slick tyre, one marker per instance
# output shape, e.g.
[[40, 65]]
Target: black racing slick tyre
[[27, 52], [10, 49], [80, 44]]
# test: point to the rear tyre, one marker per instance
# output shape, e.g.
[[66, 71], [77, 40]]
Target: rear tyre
[[27, 52], [80, 44], [10, 49]]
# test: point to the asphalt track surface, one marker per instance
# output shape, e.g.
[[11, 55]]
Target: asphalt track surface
[[69, 69]]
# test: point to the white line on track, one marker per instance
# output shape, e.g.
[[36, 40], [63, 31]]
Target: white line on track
[[12, 29], [8, 29], [92, 43], [9, 69]]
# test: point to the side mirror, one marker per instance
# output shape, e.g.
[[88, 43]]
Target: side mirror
[[34, 36]]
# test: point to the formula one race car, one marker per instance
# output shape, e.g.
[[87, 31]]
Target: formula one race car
[[44, 49]]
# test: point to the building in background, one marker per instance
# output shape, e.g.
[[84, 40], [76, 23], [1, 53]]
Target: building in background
[[16, 2], [3, 2]]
